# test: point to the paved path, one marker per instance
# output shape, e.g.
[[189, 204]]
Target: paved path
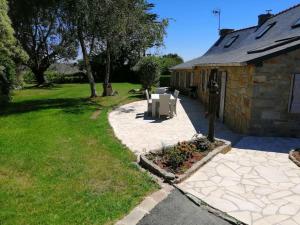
[[176, 209], [141, 133], [257, 187]]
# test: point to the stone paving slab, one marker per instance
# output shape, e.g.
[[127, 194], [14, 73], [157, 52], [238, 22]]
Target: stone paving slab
[[142, 133], [255, 187]]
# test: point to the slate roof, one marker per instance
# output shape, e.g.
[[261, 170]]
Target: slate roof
[[247, 48]]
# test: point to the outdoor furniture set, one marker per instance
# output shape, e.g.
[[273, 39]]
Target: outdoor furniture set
[[161, 103]]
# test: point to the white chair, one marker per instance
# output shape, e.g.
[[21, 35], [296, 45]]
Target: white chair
[[149, 102], [164, 105], [160, 90], [174, 103]]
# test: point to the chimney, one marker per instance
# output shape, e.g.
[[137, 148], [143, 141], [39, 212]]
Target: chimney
[[224, 32], [263, 18]]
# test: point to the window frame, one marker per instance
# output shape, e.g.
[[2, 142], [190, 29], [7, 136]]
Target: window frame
[[265, 30], [231, 41], [296, 23]]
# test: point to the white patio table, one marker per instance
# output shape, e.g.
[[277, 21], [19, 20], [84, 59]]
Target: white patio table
[[155, 100]]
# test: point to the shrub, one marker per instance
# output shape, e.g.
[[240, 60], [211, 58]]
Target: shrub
[[149, 71], [202, 144], [7, 71], [29, 77], [165, 81]]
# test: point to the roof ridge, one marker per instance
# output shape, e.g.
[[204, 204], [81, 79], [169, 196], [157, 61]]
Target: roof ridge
[[242, 29], [286, 10]]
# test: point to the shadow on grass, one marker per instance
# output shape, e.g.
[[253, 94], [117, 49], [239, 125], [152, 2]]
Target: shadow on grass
[[46, 87], [68, 105]]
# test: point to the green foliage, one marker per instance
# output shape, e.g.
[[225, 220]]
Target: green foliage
[[29, 77], [148, 69], [9, 51], [165, 80], [175, 157], [203, 144], [168, 61], [43, 33], [58, 78]]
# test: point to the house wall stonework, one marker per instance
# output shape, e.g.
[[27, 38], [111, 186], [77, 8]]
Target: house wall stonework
[[271, 95], [257, 96]]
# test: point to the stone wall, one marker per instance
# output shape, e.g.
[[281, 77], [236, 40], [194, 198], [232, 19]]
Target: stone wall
[[237, 111], [271, 95], [257, 96]]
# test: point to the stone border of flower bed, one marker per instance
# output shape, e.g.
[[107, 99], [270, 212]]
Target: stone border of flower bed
[[293, 158], [172, 178]]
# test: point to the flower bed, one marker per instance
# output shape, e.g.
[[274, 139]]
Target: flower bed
[[295, 156], [177, 162]]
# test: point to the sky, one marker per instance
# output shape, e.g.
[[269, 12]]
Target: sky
[[193, 28]]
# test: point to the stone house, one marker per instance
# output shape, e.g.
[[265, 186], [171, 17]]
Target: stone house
[[258, 72]]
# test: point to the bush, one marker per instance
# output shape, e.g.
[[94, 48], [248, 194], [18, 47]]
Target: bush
[[175, 157], [7, 72], [29, 77], [58, 78], [165, 81], [149, 71]]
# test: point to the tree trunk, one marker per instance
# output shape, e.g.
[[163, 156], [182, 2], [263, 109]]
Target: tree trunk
[[87, 64], [39, 76], [107, 72]]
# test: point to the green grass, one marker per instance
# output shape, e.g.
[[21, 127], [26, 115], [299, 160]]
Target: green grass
[[58, 166]]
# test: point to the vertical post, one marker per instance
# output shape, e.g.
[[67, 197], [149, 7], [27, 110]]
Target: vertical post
[[213, 93]]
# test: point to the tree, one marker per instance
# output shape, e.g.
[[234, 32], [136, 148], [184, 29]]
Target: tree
[[149, 71], [10, 51], [43, 33], [85, 19], [128, 25], [168, 61]]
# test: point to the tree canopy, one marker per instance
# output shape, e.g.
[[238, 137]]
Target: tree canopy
[[42, 32], [10, 51]]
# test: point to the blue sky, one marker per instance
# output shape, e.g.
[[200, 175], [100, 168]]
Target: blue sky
[[193, 28]]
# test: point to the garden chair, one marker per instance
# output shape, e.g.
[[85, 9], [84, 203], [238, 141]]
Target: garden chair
[[149, 102], [164, 105], [160, 90], [174, 103]]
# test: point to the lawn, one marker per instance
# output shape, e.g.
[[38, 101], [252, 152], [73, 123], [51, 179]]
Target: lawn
[[59, 166]]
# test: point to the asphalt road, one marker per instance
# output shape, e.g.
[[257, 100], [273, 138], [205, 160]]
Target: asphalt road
[[177, 209]]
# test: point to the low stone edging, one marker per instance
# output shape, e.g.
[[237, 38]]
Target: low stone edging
[[172, 178], [293, 158]]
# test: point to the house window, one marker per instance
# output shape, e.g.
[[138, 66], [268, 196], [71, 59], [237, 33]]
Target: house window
[[265, 30], [187, 79], [296, 24], [231, 41], [192, 79], [203, 79], [294, 104]]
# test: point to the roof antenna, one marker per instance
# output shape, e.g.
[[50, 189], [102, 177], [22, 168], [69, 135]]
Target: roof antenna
[[217, 12], [269, 11]]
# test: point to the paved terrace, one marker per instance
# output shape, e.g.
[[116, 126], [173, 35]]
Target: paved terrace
[[141, 133], [251, 182], [255, 182]]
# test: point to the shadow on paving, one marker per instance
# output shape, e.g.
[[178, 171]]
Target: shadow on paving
[[177, 209], [268, 144], [196, 113]]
